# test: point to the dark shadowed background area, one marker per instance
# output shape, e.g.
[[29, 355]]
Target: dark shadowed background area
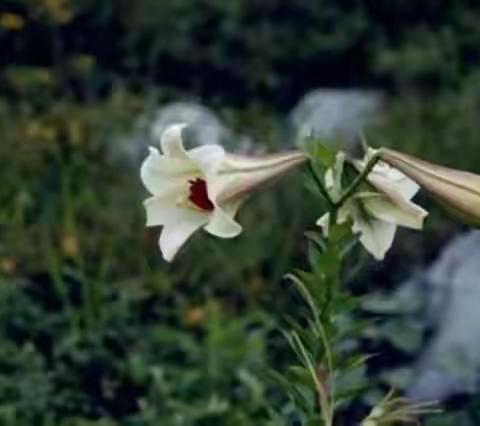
[[95, 329]]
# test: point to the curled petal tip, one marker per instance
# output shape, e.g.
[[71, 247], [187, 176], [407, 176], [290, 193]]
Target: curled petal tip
[[171, 141], [152, 150]]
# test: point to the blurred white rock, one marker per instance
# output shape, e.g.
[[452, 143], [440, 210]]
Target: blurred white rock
[[204, 127], [336, 114], [443, 302], [451, 363]]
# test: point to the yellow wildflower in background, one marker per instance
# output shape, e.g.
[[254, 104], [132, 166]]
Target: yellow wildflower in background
[[69, 245], [8, 265], [75, 132], [60, 11], [194, 316], [11, 21]]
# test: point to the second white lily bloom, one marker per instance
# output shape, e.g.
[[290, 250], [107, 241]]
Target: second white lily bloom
[[202, 187], [375, 212]]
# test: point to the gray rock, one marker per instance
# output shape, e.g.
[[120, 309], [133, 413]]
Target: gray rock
[[204, 127], [445, 298], [336, 114], [451, 363]]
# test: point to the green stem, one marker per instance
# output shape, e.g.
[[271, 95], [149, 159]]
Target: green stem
[[358, 180], [321, 187], [322, 391]]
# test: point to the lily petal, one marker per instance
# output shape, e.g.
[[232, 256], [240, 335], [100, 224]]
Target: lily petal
[[402, 212], [172, 143], [394, 179], [231, 206], [324, 223], [375, 235], [223, 225], [383, 175], [163, 210], [333, 176], [161, 175], [208, 157], [175, 235]]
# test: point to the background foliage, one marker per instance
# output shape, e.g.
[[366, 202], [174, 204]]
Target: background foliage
[[95, 329]]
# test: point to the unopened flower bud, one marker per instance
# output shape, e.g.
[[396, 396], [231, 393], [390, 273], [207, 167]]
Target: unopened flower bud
[[458, 191]]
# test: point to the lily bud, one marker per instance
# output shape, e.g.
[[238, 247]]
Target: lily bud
[[397, 410], [458, 191]]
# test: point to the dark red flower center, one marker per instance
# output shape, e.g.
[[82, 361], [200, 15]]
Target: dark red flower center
[[198, 194]]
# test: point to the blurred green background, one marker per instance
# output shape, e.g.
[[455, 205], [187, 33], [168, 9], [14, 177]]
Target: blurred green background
[[95, 329]]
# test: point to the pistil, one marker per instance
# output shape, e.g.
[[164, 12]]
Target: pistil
[[198, 194]]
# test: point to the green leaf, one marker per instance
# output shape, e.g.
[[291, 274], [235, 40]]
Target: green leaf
[[321, 153], [316, 420], [300, 375], [297, 397]]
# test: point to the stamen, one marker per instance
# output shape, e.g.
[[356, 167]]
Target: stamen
[[198, 194]]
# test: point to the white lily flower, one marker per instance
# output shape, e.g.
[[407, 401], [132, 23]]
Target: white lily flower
[[202, 187], [376, 212]]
